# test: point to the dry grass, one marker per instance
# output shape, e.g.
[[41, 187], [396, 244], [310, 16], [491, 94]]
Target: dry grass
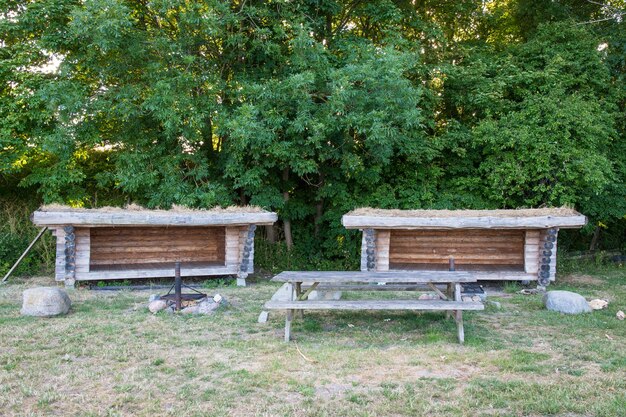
[[560, 212], [138, 208], [112, 357]]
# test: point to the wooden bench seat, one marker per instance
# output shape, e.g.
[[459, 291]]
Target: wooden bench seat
[[374, 305]]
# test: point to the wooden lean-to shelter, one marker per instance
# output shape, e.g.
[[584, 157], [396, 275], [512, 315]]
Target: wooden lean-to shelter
[[114, 243], [494, 244]]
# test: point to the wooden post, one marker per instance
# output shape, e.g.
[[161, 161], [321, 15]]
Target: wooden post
[[70, 256], [458, 314], [41, 232], [288, 325], [289, 318], [246, 257], [450, 294], [298, 295]]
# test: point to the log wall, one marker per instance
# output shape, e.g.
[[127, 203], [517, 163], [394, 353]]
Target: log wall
[[494, 248], [153, 245]]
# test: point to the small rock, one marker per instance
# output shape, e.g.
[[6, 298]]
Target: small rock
[[496, 304], [154, 297], [598, 304], [325, 295], [263, 317], [428, 296], [157, 305], [191, 310], [217, 298], [620, 315], [566, 302], [466, 298], [45, 302], [207, 307], [282, 294], [476, 298]]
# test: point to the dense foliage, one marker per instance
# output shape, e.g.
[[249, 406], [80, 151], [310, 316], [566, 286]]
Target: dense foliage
[[312, 108]]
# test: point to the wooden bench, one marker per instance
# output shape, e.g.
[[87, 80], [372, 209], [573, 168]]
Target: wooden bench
[[449, 301]]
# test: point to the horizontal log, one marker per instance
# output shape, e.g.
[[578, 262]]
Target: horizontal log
[[445, 261], [156, 273], [157, 248], [150, 259], [479, 274], [154, 231], [412, 305], [456, 256], [463, 222], [465, 233], [146, 217], [406, 241], [375, 276], [104, 240], [461, 248]]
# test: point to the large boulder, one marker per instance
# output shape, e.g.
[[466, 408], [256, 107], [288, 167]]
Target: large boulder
[[566, 302], [45, 302]]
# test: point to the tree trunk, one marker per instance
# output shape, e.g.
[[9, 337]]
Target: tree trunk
[[595, 239], [270, 235], [287, 222], [318, 216]]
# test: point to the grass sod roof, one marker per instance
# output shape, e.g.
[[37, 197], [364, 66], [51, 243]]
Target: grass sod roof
[[138, 208], [134, 215], [503, 218]]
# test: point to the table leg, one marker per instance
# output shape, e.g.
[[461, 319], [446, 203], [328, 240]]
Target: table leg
[[288, 325], [450, 294], [298, 295], [458, 316]]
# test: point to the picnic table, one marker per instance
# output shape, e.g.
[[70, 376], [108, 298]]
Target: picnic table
[[301, 283]]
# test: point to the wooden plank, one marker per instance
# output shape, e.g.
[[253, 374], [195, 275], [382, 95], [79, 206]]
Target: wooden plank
[[483, 222], [382, 250], [158, 273], [374, 305], [154, 218], [458, 257], [375, 276], [480, 247], [463, 235], [98, 242], [59, 268], [144, 245], [461, 249], [122, 250], [484, 244], [363, 252], [435, 289], [482, 275], [531, 251], [373, 287], [164, 234], [171, 258], [233, 247]]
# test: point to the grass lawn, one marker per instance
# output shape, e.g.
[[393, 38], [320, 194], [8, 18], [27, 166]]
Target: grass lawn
[[111, 357]]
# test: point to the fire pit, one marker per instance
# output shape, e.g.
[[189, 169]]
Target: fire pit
[[177, 295]]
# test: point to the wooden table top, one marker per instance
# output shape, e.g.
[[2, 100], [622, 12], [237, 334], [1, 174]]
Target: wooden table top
[[375, 276]]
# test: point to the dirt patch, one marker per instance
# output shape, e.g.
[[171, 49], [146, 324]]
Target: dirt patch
[[583, 279]]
